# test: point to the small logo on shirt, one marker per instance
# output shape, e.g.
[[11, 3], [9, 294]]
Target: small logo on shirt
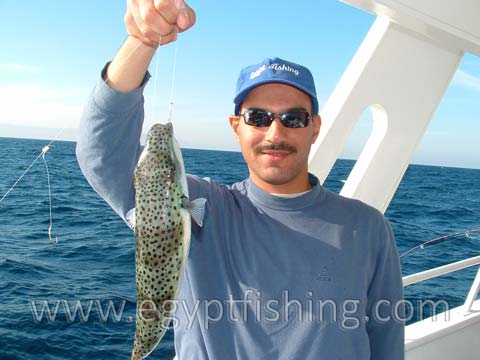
[[324, 275]]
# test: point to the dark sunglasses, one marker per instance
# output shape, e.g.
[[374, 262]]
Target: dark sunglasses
[[289, 119]]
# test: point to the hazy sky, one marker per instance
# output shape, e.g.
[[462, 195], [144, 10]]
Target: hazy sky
[[52, 53]]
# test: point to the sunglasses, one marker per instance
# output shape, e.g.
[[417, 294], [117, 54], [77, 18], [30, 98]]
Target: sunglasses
[[289, 119]]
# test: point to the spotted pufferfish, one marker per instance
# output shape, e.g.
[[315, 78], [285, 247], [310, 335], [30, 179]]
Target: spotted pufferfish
[[161, 220]]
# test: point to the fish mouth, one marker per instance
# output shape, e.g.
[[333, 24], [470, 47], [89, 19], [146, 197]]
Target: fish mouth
[[160, 137], [159, 131], [159, 126]]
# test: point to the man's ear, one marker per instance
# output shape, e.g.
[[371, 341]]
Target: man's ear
[[317, 124], [234, 123]]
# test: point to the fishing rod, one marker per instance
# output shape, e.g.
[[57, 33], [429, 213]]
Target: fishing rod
[[466, 233]]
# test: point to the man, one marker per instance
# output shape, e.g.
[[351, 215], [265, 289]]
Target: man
[[282, 268]]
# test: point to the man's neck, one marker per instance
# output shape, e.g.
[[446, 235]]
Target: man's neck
[[298, 185]]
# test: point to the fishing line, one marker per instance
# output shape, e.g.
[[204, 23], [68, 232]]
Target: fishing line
[[30, 166], [172, 86], [44, 151], [155, 82], [173, 82], [42, 154]]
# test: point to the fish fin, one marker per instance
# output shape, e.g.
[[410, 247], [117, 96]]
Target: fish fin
[[130, 218], [196, 209]]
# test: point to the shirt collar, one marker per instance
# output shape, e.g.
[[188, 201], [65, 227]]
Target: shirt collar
[[261, 197]]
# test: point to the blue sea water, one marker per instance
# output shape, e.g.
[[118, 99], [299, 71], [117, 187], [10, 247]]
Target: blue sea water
[[92, 266]]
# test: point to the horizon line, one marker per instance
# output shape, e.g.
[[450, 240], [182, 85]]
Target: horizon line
[[235, 151]]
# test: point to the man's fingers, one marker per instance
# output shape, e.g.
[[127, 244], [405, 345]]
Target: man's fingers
[[176, 12], [133, 30], [186, 18], [152, 21], [168, 10], [169, 38], [152, 25], [158, 40], [158, 21]]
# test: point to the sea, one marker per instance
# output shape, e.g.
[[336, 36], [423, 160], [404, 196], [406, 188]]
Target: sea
[[76, 299]]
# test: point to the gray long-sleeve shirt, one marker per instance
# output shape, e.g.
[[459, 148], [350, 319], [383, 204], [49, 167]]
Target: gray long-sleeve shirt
[[311, 277]]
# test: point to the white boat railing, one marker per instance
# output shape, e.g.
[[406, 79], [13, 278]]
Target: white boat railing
[[445, 269]]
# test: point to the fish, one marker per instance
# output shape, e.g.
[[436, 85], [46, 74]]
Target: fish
[[162, 220]]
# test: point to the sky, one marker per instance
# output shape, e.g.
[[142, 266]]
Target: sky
[[52, 53]]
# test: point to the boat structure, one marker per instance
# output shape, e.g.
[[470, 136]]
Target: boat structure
[[401, 72]]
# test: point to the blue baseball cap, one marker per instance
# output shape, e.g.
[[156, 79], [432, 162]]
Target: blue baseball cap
[[275, 70]]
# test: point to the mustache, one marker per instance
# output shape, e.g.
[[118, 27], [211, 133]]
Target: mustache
[[278, 147]]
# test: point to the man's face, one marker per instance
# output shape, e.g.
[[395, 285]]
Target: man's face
[[277, 157]]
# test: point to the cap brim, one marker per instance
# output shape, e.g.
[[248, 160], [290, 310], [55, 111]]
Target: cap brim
[[238, 100]]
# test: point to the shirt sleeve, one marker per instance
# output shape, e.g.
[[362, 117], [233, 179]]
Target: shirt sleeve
[[108, 143], [385, 309]]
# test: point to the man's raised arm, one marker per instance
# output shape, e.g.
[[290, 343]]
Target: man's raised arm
[[108, 143]]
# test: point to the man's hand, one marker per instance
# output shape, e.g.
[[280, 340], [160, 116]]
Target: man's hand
[[158, 22]]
